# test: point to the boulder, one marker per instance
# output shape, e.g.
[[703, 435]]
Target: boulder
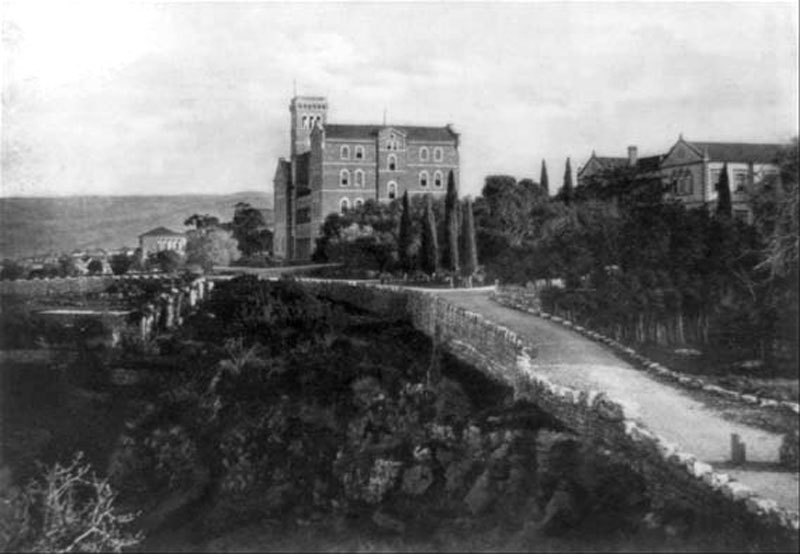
[[482, 494]]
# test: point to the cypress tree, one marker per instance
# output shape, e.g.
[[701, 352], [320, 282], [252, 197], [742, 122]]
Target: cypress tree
[[724, 207], [470, 256], [566, 190], [430, 244], [451, 224], [544, 182], [404, 237]]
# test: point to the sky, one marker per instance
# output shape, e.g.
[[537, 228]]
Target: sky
[[192, 97]]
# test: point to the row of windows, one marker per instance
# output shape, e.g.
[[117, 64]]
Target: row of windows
[[424, 154], [344, 204], [344, 152], [310, 120], [358, 178], [739, 179], [344, 178]]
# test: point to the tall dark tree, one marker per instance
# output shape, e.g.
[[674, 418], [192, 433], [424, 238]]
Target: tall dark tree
[[405, 237], [451, 224], [544, 182], [724, 207], [250, 230], [567, 188], [470, 252], [430, 244]]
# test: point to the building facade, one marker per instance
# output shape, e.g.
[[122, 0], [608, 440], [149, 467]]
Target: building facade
[[691, 171], [336, 167], [161, 238]]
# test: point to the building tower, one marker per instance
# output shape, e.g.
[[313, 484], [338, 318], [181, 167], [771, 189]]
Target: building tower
[[306, 112]]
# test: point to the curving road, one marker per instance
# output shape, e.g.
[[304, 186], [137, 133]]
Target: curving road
[[570, 359]]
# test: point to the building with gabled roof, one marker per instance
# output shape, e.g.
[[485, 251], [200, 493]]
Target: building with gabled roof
[[161, 238], [691, 170], [595, 165], [333, 167]]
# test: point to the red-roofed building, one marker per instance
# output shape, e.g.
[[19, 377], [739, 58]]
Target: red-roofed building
[[334, 167]]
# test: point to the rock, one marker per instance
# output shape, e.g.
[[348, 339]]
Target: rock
[[482, 494], [455, 473], [417, 479], [561, 511], [387, 522]]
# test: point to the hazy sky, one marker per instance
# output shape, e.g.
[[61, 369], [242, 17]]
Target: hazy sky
[[145, 98]]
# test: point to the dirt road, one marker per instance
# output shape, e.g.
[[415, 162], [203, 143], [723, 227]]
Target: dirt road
[[567, 358]]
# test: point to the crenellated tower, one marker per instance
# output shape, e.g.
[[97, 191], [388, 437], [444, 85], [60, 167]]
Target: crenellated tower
[[306, 111]]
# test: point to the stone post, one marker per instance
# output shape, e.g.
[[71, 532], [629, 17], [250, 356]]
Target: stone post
[[738, 450], [192, 297]]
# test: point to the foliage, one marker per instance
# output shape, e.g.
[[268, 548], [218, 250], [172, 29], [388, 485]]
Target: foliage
[[451, 225], [469, 245], [95, 266], [120, 264], [250, 230], [566, 192], [430, 244], [12, 270], [724, 207], [544, 181], [405, 238], [202, 222], [211, 247], [69, 509], [168, 261]]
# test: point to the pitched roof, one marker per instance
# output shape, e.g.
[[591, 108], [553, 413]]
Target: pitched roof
[[739, 151], [648, 163], [413, 133], [161, 232]]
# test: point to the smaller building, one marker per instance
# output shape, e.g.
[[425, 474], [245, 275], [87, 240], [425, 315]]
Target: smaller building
[[647, 166], [160, 239]]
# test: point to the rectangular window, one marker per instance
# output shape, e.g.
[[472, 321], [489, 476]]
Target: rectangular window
[[303, 215], [739, 181]]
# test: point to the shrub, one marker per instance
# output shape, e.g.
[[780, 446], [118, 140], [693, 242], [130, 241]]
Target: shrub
[[69, 509]]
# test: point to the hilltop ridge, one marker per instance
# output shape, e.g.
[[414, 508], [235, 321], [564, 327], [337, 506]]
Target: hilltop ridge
[[38, 225]]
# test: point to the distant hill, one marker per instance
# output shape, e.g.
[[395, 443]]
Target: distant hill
[[30, 226]]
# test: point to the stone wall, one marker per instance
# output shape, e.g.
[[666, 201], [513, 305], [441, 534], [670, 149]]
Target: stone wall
[[673, 476], [69, 285]]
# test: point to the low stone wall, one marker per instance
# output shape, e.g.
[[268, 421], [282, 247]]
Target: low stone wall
[[674, 476], [54, 286], [529, 304]]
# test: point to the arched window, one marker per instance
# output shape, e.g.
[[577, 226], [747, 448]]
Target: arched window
[[392, 190], [305, 122], [438, 154], [344, 205], [392, 162], [344, 152], [423, 178], [344, 178], [437, 179], [358, 203], [424, 154], [359, 152], [358, 178]]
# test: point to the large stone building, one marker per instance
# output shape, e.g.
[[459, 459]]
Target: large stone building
[[691, 170], [161, 238], [333, 167]]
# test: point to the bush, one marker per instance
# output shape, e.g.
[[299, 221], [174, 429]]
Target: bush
[[69, 509]]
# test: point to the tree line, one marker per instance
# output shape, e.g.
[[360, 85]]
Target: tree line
[[421, 237], [644, 269]]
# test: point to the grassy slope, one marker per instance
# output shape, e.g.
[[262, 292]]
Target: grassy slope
[[39, 225]]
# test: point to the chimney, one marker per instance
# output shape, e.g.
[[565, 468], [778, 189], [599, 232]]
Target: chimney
[[632, 156]]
